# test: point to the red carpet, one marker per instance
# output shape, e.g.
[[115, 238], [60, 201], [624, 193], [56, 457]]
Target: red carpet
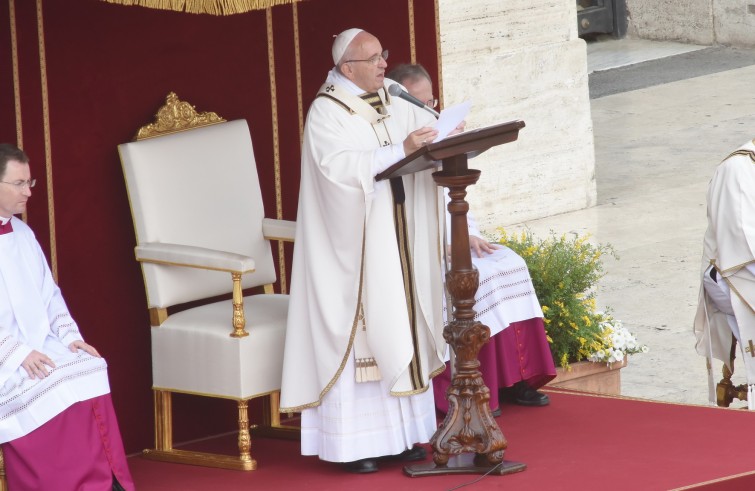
[[579, 442]]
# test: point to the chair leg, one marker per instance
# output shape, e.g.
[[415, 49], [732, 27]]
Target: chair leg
[[271, 421], [726, 391], [163, 420], [3, 482], [165, 452], [245, 439]]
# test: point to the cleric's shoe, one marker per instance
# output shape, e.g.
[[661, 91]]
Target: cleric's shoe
[[496, 412], [363, 466], [527, 396], [409, 455]]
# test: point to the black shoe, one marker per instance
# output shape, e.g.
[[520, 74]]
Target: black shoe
[[364, 466], [524, 395], [496, 412], [409, 455], [116, 485]]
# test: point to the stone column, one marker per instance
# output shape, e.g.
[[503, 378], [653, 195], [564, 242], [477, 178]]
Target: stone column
[[522, 59]]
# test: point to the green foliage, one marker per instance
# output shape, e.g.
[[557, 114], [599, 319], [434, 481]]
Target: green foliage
[[564, 273]]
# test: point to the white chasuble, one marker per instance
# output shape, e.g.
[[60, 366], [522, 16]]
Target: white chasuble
[[34, 316], [346, 259], [729, 245]]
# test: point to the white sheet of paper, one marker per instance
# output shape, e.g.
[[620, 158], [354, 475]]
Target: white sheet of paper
[[450, 118]]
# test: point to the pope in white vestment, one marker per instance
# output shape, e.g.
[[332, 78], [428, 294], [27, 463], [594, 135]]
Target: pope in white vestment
[[365, 319], [727, 292]]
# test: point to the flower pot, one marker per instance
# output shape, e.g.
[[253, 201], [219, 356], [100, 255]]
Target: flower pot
[[590, 376]]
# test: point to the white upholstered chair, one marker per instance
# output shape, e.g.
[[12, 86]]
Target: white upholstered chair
[[201, 233]]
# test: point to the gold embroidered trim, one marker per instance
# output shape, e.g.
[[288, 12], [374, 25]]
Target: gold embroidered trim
[[349, 347], [211, 7], [746, 153]]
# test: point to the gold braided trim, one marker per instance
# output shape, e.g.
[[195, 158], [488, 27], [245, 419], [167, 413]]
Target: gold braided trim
[[297, 56], [211, 7], [412, 33], [16, 76], [439, 52], [48, 140], [276, 145]]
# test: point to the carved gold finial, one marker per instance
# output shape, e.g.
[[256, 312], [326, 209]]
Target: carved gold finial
[[176, 115]]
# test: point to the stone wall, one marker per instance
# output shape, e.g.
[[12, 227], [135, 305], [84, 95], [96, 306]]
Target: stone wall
[[705, 22], [522, 59]]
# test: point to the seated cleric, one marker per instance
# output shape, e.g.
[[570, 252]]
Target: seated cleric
[[517, 360], [58, 429]]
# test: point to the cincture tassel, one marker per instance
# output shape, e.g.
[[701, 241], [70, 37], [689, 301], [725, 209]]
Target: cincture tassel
[[366, 368]]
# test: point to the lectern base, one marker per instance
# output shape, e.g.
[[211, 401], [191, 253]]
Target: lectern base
[[464, 464]]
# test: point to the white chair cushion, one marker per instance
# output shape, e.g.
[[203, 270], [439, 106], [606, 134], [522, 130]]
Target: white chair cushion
[[193, 352]]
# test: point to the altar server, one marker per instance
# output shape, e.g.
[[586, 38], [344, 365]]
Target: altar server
[[57, 424]]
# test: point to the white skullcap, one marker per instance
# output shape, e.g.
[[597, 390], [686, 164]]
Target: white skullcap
[[342, 42]]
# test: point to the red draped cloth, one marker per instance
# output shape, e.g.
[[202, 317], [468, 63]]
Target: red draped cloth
[[79, 449], [519, 352]]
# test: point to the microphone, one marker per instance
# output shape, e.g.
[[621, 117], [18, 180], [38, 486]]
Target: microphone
[[396, 91]]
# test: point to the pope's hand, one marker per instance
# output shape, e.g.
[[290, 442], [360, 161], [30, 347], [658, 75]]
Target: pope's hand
[[418, 138], [77, 345], [34, 364]]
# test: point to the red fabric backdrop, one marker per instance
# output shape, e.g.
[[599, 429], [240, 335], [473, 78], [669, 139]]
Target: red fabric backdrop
[[108, 70]]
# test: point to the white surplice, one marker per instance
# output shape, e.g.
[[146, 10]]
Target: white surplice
[[341, 209], [34, 316], [729, 245]]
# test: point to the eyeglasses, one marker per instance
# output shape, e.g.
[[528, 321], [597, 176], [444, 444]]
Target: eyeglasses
[[20, 185], [431, 102], [374, 60]]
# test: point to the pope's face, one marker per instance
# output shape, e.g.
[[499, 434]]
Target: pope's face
[[367, 75], [14, 189]]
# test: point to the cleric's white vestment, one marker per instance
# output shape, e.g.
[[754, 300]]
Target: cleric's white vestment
[[346, 255], [34, 316], [729, 245]]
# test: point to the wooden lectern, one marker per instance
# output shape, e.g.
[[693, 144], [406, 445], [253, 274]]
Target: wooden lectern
[[469, 439]]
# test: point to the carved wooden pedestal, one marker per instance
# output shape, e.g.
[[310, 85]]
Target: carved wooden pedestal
[[469, 440], [469, 426]]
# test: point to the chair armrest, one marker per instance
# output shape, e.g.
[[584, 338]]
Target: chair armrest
[[274, 229], [193, 257]]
